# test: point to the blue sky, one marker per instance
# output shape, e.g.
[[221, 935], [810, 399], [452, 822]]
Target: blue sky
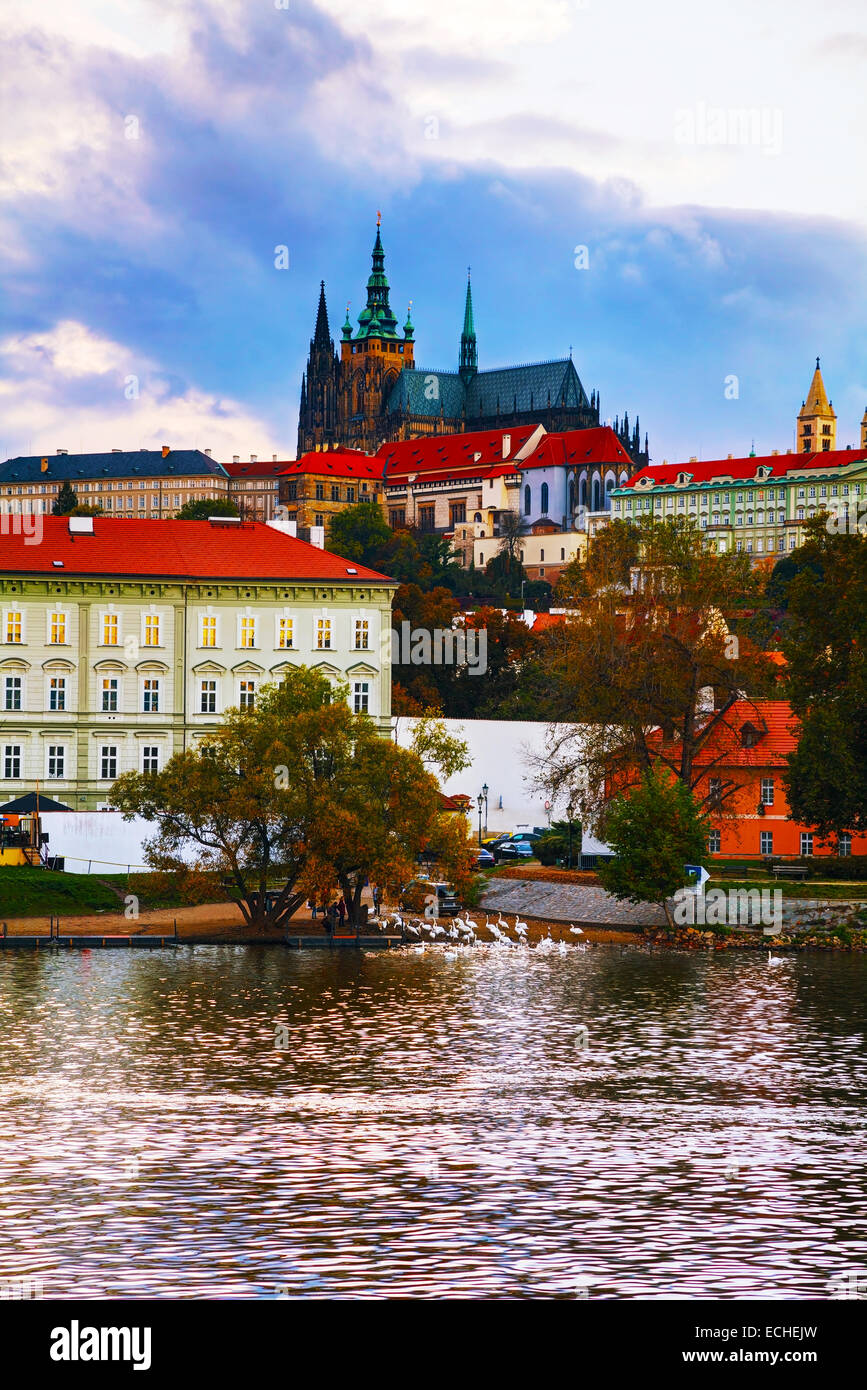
[[155, 154]]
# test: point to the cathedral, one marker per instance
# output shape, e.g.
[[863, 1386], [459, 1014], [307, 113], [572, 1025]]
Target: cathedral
[[372, 392]]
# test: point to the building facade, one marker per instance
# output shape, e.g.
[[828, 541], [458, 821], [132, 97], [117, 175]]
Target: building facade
[[120, 644], [317, 486], [254, 486], [372, 391], [758, 506], [141, 483]]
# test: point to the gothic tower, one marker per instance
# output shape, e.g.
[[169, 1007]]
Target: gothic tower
[[318, 417], [371, 361], [817, 419]]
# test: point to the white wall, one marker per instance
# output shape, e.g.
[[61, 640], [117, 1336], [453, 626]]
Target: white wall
[[102, 839], [500, 750]]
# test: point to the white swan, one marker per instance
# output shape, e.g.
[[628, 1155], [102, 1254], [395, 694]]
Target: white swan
[[776, 960], [576, 931]]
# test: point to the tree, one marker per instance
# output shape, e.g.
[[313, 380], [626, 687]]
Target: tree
[[513, 528], [825, 645], [65, 501], [609, 560], [293, 796], [562, 840], [87, 509], [203, 508], [654, 830], [652, 673]]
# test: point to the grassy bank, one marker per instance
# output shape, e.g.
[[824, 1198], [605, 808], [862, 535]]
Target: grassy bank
[[27, 892], [793, 888]]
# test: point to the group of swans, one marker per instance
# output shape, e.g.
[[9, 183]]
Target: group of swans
[[466, 931]]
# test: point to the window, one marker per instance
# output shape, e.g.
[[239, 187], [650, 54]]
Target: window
[[56, 761], [844, 844], [350, 492], [150, 758], [109, 630], [151, 630], [335, 492], [713, 842], [319, 492], [426, 518], [806, 843], [457, 513], [714, 790], [285, 632], [767, 791], [247, 694], [528, 500], [13, 627], [151, 696], [323, 634], [248, 632], [362, 634], [57, 632], [544, 499], [208, 691], [12, 693], [12, 761], [108, 762], [109, 694], [209, 630], [57, 692], [397, 518], [361, 697], [319, 519], [766, 842]]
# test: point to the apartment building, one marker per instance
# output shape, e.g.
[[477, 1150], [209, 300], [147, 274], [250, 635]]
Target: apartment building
[[136, 484], [121, 642]]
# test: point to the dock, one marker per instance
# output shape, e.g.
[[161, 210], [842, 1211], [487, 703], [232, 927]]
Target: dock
[[382, 941], [86, 943]]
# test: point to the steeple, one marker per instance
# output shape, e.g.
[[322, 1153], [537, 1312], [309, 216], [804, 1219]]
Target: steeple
[[817, 419], [469, 363], [376, 319], [322, 335], [864, 429]]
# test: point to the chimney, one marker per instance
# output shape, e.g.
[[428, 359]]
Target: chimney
[[117, 451], [507, 445], [253, 458], [693, 458], [729, 456], [317, 537], [236, 458], [273, 458], [166, 451], [207, 453], [63, 451], [775, 452], [43, 465]]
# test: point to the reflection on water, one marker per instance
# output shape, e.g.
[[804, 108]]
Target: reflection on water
[[433, 1126]]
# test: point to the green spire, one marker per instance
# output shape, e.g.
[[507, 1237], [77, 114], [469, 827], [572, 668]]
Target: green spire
[[408, 327], [376, 319], [469, 353], [347, 327]]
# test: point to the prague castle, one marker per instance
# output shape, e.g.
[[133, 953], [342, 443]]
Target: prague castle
[[372, 391]]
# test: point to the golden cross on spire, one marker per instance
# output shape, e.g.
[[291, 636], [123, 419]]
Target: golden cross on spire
[[379, 219]]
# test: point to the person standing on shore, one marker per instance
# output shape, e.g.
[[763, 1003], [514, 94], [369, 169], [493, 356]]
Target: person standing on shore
[[313, 909], [341, 908]]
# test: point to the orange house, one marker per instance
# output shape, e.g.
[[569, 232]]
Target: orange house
[[744, 762]]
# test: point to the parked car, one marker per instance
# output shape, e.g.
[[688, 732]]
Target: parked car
[[416, 894], [514, 849], [484, 858]]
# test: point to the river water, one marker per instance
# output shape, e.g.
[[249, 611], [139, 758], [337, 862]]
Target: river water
[[608, 1124]]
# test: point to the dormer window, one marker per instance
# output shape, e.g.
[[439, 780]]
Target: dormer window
[[750, 735]]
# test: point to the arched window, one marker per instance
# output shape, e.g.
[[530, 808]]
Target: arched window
[[544, 499], [477, 516], [527, 502], [596, 494], [583, 492], [571, 495]]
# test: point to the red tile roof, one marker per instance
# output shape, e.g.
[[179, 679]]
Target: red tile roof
[[175, 549], [577, 447], [777, 727], [335, 463], [745, 469], [443, 456], [256, 470]]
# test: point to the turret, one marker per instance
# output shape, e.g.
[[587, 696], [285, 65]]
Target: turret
[[469, 362]]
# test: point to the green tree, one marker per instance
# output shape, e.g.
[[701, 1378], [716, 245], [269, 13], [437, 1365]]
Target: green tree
[[654, 830], [652, 672], [203, 507], [293, 796], [825, 645], [65, 501]]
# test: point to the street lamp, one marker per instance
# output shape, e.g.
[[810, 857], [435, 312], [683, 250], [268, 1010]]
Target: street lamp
[[485, 795], [480, 802]]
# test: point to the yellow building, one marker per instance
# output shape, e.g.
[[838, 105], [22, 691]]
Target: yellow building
[[817, 419]]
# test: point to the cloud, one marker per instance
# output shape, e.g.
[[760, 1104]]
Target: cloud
[[68, 387]]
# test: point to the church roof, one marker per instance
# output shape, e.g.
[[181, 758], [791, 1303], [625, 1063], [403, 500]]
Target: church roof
[[505, 389], [575, 448], [817, 398]]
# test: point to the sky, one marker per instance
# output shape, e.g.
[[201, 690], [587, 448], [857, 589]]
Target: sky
[[674, 192]]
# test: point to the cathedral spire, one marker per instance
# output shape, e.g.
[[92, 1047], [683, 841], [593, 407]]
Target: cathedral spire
[[469, 363], [376, 319], [322, 335]]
